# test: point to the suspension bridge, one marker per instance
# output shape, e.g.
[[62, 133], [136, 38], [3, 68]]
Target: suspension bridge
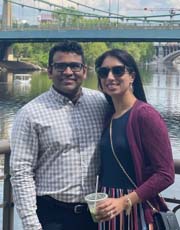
[[40, 20], [43, 21]]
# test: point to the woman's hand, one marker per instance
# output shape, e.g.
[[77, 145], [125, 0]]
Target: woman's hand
[[110, 208]]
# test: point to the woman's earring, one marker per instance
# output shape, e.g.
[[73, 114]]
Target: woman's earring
[[131, 87]]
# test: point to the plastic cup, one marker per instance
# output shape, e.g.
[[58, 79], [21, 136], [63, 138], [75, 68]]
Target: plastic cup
[[92, 199]]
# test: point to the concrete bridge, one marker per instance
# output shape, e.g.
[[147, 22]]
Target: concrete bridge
[[172, 57], [167, 52]]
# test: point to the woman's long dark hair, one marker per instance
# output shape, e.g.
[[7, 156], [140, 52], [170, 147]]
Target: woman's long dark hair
[[124, 57]]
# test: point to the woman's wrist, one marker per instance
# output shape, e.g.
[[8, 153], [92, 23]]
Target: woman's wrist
[[128, 205]]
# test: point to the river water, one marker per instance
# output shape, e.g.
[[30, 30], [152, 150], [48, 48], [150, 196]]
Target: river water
[[162, 88]]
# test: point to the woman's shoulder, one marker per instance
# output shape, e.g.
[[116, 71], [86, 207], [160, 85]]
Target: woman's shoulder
[[144, 109], [145, 112], [148, 118]]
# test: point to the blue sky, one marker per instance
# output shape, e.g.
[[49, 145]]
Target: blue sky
[[123, 7]]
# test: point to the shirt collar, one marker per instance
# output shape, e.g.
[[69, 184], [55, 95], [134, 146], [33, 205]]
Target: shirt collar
[[61, 98]]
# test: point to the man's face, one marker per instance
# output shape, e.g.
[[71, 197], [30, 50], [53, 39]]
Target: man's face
[[67, 73]]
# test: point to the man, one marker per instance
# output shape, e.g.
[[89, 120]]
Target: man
[[54, 142]]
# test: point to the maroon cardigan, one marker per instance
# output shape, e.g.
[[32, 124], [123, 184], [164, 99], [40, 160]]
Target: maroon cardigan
[[152, 155]]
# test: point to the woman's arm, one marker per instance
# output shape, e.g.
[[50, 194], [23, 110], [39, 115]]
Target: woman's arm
[[157, 153]]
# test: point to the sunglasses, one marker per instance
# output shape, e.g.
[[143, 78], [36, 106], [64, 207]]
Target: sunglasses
[[62, 66], [117, 71]]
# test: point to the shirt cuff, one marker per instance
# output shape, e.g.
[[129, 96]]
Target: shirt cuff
[[31, 223]]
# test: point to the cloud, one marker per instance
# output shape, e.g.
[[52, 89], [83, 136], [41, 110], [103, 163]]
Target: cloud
[[174, 3]]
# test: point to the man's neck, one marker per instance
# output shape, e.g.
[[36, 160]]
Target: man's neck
[[72, 97]]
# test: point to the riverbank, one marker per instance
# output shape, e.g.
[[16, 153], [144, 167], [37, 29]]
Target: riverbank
[[16, 66]]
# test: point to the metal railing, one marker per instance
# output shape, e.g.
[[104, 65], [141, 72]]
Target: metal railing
[[92, 26], [7, 205]]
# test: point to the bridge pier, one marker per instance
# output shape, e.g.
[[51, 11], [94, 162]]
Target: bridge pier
[[6, 51], [9, 54]]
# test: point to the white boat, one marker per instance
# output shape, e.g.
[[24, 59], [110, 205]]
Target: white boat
[[22, 78]]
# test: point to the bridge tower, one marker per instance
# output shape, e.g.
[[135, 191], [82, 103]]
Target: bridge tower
[[7, 24], [6, 15]]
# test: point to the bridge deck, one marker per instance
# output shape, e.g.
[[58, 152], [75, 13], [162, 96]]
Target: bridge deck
[[115, 35]]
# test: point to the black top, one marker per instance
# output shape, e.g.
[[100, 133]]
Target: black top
[[111, 174]]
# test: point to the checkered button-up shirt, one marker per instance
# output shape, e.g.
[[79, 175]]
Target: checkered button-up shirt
[[54, 150]]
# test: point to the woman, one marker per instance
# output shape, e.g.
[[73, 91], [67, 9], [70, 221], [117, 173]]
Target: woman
[[136, 154]]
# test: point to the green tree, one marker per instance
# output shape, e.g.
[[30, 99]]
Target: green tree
[[141, 51], [65, 17], [147, 51], [92, 50], [22, 50]]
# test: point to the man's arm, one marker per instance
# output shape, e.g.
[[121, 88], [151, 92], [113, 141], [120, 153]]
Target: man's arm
[[24, 151]]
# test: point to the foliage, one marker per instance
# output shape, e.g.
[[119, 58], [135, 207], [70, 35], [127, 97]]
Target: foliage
[[35, 52], [92, 50], [22, 50], [142, 51], [62, 17], [38, 52]]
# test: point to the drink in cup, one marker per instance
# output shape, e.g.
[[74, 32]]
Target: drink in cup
[[92, 199]]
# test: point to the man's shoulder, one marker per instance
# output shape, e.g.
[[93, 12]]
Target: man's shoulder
[[35, 102], [93, 92]]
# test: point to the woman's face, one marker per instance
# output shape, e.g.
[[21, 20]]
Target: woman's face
[[115, 78]]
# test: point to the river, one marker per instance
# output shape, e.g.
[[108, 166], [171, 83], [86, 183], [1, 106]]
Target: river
[[162, 88]]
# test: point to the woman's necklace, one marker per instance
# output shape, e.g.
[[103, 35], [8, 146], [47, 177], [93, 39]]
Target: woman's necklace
[[120, 113]]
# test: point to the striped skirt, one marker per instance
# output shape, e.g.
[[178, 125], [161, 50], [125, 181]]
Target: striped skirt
[[134, 221]]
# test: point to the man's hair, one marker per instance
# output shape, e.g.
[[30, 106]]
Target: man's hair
[[67, 46]]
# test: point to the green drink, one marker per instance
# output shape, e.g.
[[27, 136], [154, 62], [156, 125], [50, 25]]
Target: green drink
[[93, 213], [92, 199]]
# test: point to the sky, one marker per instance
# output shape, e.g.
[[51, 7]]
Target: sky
[[123, 7]]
